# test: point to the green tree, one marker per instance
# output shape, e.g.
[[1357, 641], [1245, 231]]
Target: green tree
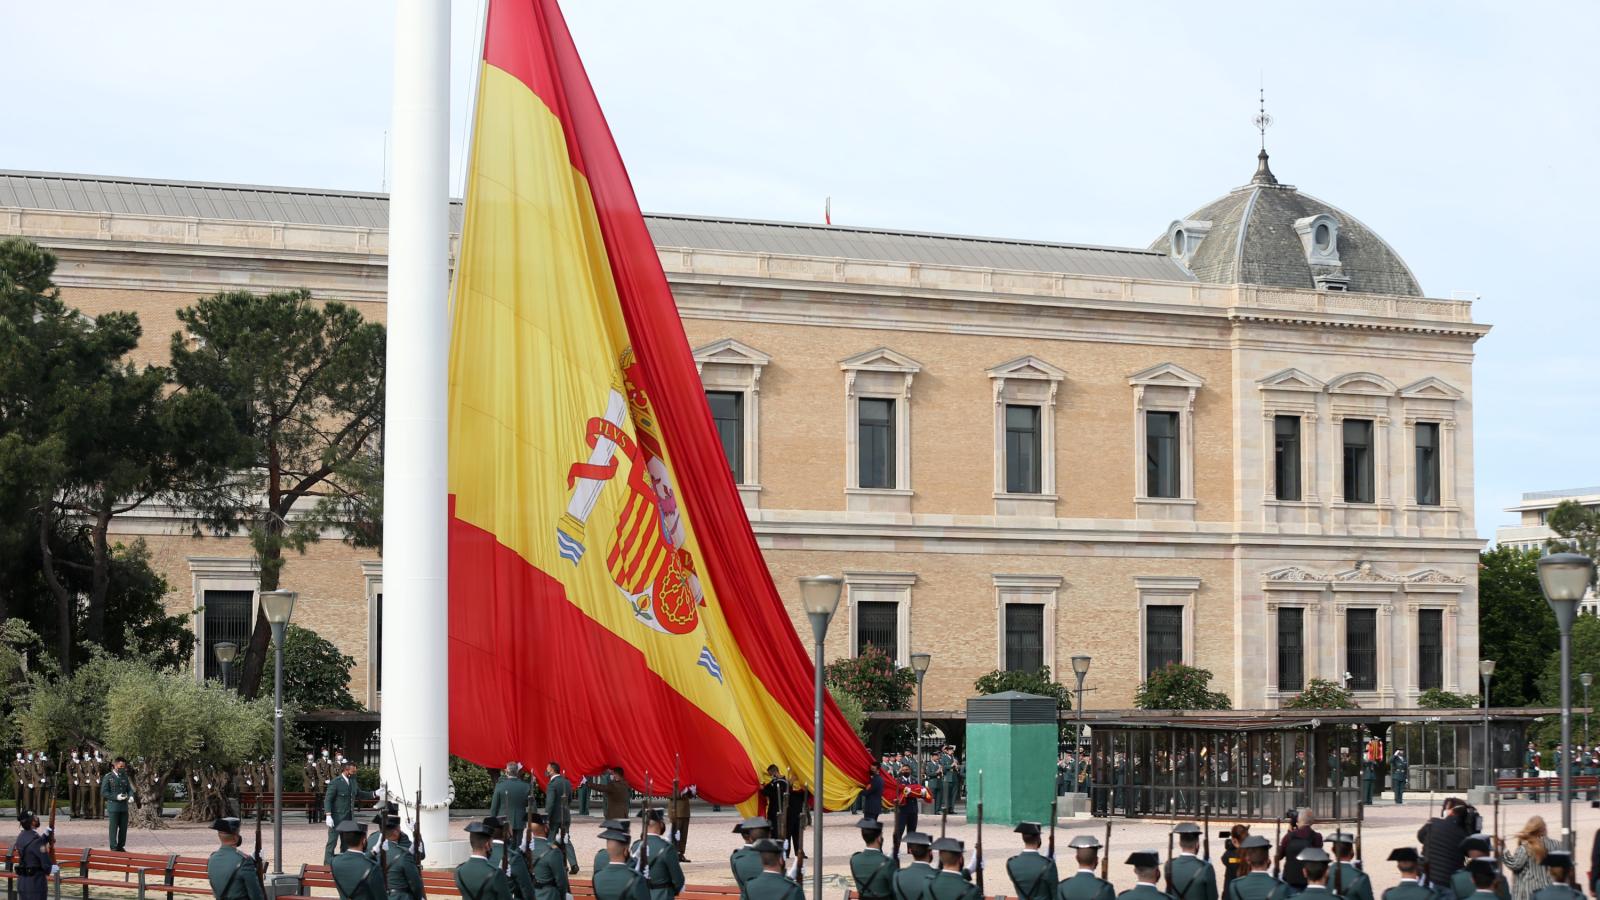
[[1585, 658], [1034, 681], [1578, 527], [1515, 626], [1321, 693], [1438, 698], [304, 382], [850, 708], [316, 673], [874, 680], [474, 788], [1177, 686]]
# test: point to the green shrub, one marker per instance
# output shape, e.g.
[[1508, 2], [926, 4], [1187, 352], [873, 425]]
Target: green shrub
[[473, 785]]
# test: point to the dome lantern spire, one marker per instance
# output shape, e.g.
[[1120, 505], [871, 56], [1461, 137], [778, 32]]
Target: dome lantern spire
[[1263, 171], [1263, 121]]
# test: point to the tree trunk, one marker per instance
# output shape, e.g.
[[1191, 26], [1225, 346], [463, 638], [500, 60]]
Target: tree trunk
[[57, 590], [268, 544], [149, 783], [95, 627]]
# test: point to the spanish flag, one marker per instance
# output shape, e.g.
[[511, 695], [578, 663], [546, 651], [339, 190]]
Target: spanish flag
[[608, 603]]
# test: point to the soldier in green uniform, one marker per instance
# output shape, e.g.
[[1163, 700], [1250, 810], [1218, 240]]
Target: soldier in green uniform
[[1314, 863], [1085, 884], [1259, 883], [514, 864], [558, 809], [401, 875], [356, 876], [618, 880], [873, 869], [1399, 776], [1369, 780], [231, 871], [601, 857], [910, 881], [477, 878], [340, 804], [950, 777], [662, 869], [1188, 876], [1483, 874], [950, 882], [115, 789], [771, 884], [510, 800], [1346, 880], [1559, 862], [1032, 873], [547, 863], [1147, 869], [1479, 846], [1410, 886], [745, 861]]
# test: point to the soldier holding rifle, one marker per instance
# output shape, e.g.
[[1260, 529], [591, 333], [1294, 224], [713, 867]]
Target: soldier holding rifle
[[233, 874]]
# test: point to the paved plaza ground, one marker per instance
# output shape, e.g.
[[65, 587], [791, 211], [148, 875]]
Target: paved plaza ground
[[711, 838]]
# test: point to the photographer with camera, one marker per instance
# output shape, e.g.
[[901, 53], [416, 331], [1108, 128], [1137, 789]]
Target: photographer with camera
[[1442, 840], [1300, 837]]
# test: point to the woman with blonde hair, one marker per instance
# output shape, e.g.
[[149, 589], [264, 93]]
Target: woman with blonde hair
[[1526, 862]]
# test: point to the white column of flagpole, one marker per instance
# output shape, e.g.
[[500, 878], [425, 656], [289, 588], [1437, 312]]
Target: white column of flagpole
[[415, 725]]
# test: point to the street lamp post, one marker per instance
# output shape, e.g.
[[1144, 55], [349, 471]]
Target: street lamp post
[[226, 652], [1564, 577], [1585, 679], [277, 606], [1486, 671], [919, 665], [819, 594], [1080, 668]]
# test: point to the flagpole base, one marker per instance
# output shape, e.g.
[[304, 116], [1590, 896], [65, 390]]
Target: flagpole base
[[447, 854]]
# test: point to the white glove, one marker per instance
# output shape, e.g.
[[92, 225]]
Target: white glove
[[793, 869], [49, 831], [329, 821], [55, 870], [122, 796]]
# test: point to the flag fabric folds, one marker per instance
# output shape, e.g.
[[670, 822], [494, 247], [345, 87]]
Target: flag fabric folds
[[609, 605]]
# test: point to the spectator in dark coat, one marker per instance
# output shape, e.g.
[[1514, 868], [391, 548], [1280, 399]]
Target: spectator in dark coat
[[872, 797], [1441, 841], [1300, 837]]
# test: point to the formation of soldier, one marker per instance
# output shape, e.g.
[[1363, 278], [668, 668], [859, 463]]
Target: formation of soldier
[[33, 778]]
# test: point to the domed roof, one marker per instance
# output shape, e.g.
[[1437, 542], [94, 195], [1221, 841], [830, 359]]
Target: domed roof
[[1272, 234]]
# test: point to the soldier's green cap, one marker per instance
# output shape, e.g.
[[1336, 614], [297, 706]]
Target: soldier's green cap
[[949, 845], [653, 815], [1478, 842], [612, 834], [1481, 866], [767, 845], [1084, 842], [870, 825], [1144, 859], [1342, 837], [615, 825], [1254, 841], [1313, 854], [349, 825], [1186, 828], [1403, 854], [476, 827], [918, 838], [390, 822], [494, 823], [1027, 828], [226, 825], [536, 818], [751, 824], [1558, 858]]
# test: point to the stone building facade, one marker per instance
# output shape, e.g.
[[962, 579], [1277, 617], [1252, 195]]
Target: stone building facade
[[1247, 448]]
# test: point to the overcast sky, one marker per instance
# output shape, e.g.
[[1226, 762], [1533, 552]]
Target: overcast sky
[[1464, 133]]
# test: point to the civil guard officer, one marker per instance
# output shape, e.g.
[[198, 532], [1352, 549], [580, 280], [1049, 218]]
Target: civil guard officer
[[950, 882], [1559, 862], [1410, 886], [548, 865], [477, 878], [1032, 873], [115, 789], [515, 866], [873, 869], [232, 872], [618, 880], [1478, 846], [1188, 876], [34, 864], [339, 801], [1346, 879], [557, 808], [601, 857], [510, 799], [909, 881], [745, 861], [1085, 884], [662, 868], [356, 875], [1484, 874], [1147, 868], [402, 878], [1314, 862], [1259, 883], [772, 883]]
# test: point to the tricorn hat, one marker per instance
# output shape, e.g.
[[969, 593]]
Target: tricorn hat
[[949, 845], [1313, 854], [767, 845], [1084, 842], [1144, 859], [751, 824], [226, 825], [1403, 854], [1186, 828], [1030, 829], [918, 838]]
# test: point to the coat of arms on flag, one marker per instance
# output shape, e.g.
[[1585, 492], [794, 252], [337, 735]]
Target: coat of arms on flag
[[647, 559]]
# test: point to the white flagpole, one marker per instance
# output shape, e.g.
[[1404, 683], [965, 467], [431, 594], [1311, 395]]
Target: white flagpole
[[415, 712]]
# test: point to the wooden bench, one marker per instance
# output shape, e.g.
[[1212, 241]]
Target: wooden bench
[[317, 882], [301, 801], [1544, 785]]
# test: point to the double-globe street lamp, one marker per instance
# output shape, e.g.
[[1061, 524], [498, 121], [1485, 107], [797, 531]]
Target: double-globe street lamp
[[1080, 668], [819, 595], [1486, 671], [1564, 577], [919, 665], [277, 606]]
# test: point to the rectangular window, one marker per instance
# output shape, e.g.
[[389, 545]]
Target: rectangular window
[[1163, 637], [226, 619], [1358, 482], [1022, 449], [1291, 648], [1024, 637], [1430, 648], [875, 449], [1161, 454], [377, 645], [878, 625], [727, 411], [1361, 648], [1427, 434], [1286, 434]]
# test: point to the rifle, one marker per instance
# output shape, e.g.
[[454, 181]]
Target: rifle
[[1360, 814], [527, 826], [1277, 845], [643, 862], [261, 864], [1105, 850], [1053, 806], [677, 770], [52, 825], [1205, 835], [978, 862]]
